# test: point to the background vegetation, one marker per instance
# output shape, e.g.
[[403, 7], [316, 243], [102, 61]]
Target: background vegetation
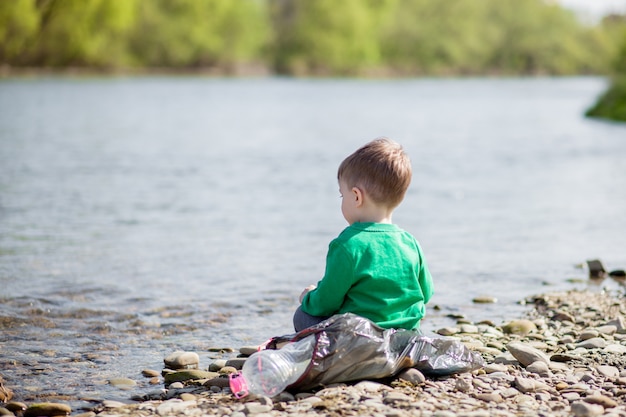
[[612, 104], [307, 37]]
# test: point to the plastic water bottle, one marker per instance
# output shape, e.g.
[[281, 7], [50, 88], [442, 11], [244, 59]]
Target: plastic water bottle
[[268, 372]]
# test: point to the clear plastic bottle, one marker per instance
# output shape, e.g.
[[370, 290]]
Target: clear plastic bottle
[[269, 372]]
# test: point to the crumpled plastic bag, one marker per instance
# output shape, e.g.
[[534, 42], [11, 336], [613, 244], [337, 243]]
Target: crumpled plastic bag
[[349, 347]]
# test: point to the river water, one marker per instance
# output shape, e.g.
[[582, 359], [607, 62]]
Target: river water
[[139, 216]]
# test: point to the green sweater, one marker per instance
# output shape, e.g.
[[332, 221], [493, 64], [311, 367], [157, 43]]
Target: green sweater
[[377, 271]]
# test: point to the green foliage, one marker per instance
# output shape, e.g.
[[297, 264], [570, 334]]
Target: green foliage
[[328, 37], [310, 37], [82, 32], [19, 20], [612, 104], [189, 33]]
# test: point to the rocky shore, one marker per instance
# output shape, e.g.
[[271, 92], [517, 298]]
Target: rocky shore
[[566, 358]]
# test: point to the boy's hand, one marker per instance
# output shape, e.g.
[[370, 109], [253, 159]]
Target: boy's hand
[[306, 291]]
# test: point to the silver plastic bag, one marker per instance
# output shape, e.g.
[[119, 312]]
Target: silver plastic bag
[[349, 347]]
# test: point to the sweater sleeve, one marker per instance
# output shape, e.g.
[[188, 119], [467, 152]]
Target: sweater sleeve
[[331, 290]]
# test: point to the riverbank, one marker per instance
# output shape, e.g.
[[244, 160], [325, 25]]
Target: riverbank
[[566, 357]]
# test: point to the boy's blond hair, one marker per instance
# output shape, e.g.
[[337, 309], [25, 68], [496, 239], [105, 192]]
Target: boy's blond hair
[[381, 169]]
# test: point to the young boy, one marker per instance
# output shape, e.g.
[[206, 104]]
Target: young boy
[[373, 268]]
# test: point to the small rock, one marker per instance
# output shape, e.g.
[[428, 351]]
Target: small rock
[[593, 343], [462, 385], [588, 334], [609, 329], [527, 385], [122, 383], [608, 371], [615, 348], [539, 368], [448, 331], [485, 299], [5, 412], [393, 397], [602, 400], [182, 360], [413, 376], [248, 350], [15, 407], [582, 409], [520, 327], [256, 408], [492, 397], [469, 329], [174, 406], [236, 363], [526, 354], [112, 404], [48, 410], [189, 374], [150, 373]]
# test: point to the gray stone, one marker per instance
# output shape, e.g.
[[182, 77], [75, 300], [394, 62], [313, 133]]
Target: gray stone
[[527, 385], [588, 334], [582, 409], [173, 406], [248, 350], [448, 331], [526, 354], [491, 397], [609, 329], [413, 376], [48, 410], [236, 363], [182, 360], [608, 371], [602, 400], [462, 385], [539, 368], [593, 343], [257, 408], [485, 299], [520, 327]]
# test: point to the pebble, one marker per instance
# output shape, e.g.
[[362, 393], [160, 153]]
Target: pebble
[[413, 376], [582, 409], [47, 410], [182, 360], [122, 383], [485, 299], [520, 327], [526, 354]]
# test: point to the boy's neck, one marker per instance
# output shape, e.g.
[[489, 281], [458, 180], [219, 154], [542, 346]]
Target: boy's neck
[[371, 213]]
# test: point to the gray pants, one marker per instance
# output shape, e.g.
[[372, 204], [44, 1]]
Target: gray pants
[[302, 320]]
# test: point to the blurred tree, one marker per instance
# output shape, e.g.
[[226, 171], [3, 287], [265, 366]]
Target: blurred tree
[[19, 21], [612, 103], [328, 37], [193, 33], [82, 32]]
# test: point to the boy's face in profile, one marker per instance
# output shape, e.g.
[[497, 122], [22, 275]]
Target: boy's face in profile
[[349, 202]]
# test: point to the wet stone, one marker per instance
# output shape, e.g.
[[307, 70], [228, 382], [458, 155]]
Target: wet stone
[[48, 410], [182, 360], [189, 374]]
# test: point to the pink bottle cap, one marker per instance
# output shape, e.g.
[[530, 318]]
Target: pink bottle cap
[[238, 385]]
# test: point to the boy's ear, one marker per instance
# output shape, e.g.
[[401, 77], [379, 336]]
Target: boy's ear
[[358, 196]]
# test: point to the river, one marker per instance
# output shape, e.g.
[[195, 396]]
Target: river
[[143, 215]]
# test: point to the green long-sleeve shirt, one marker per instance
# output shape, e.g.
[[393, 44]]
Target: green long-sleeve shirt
[[377, 271]]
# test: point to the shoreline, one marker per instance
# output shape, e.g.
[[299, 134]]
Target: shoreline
[[565, 357]]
